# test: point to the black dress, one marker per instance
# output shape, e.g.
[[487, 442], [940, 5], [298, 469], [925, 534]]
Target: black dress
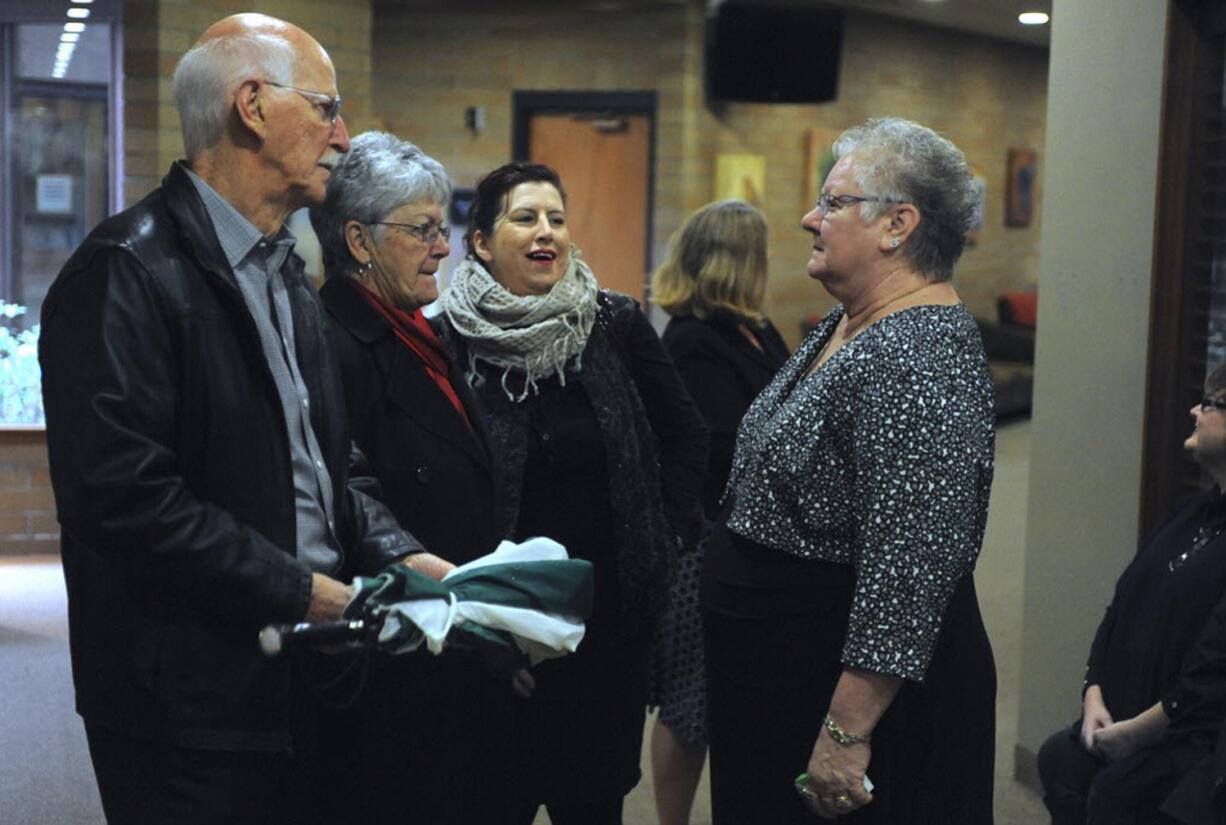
[[858, 499], [723, 372], [432, 733]]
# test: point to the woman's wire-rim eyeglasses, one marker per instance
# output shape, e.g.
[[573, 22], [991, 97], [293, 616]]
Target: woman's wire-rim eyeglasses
[[428, 232], [828, 202]]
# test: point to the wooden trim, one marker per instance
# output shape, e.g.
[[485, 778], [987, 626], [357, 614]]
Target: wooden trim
[[20, 435], [1176, 361]]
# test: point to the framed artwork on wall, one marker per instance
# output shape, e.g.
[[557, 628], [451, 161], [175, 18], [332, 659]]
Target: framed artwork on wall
[[740, 176], [1020, 185]]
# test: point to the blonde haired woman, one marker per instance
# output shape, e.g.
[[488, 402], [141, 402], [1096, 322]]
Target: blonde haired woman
[[712, 285]]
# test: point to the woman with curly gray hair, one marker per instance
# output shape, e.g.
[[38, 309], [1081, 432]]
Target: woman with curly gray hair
[[426, 728], [843, 631]]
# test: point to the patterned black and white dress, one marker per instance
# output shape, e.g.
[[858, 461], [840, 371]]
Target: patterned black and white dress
[[860, 499]]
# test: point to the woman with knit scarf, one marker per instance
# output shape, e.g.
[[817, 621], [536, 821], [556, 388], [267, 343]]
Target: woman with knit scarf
[[429, 730], [600, 448]]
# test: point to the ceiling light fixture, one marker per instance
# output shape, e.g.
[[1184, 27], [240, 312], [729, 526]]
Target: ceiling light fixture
[[69, 37], [74, 27], [79, 14], [1032, 18]]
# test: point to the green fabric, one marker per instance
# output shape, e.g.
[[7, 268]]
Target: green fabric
[[563, 587]]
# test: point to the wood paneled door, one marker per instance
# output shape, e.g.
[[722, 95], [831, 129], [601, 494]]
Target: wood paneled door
[[601, 146]]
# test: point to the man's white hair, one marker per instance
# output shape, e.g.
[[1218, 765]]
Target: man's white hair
[[211, 71]]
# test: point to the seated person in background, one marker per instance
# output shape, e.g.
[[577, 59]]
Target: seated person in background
[[726, 351], [1119, 761]]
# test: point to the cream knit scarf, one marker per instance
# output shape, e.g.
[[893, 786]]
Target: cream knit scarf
[[531, 334]]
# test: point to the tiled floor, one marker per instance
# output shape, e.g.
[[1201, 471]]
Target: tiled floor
[[44, 768]]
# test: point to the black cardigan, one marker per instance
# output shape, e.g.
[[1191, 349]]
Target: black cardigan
[[655, 444], [724, 373], [1146, 648]]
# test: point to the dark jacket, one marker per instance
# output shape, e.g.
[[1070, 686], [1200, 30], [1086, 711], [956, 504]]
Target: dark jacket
[[173, 482], [435, 471], [655, 445], [442, 746], [1200, 707], [724, 373]]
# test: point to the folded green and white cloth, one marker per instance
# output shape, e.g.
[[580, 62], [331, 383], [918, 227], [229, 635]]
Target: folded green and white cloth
[[527, 597]]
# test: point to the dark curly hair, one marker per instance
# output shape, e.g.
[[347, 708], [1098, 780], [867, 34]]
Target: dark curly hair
[[490, 200]]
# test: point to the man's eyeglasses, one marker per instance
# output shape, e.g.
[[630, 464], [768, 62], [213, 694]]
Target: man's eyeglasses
[[828, 203], [1209, 403], [330, 104], [424, 232]]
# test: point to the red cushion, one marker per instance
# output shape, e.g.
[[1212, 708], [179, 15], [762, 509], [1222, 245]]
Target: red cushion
[[1021, 308]]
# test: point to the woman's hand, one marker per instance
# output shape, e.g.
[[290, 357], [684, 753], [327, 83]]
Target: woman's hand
[[1124, 738], [1117, 741], [428, 564], [836, 777], [1094, 716]]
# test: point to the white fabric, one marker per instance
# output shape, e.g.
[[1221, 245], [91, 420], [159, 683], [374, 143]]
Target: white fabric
[[537, 634]]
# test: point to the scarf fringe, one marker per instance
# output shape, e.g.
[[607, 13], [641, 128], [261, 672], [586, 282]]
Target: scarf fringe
[[490, 319]]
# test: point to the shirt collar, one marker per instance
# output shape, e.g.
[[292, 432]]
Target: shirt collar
[[237, 235]]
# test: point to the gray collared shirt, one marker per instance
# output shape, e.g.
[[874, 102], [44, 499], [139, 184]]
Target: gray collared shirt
[[257, 261]]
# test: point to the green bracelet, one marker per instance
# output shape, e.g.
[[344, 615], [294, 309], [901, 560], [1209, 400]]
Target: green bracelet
[[843, 737]]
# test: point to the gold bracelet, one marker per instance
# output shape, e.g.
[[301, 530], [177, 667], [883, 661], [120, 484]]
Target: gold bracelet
[[843, 737]]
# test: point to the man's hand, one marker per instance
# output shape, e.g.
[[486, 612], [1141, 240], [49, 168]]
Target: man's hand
[[328, 598], [428, 564]]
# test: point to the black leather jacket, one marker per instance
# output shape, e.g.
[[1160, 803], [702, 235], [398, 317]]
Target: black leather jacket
[[173, 483]]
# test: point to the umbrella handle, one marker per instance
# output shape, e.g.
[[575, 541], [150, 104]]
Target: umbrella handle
[[276, 639]]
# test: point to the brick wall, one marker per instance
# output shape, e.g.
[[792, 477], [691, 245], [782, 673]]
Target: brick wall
[[27, 507], [987, 95], [414, 73]]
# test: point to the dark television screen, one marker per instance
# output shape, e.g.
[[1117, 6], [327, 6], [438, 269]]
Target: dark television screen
[[768, 54]]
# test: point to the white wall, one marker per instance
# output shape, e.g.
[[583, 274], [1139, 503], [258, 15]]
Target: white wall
[[1095, 264]]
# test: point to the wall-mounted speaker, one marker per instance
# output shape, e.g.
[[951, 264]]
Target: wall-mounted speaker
[[772, 54]]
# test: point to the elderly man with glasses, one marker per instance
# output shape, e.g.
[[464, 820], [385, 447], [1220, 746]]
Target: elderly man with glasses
[[200, 453]]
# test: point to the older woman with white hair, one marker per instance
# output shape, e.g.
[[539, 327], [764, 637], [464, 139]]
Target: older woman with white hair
[[843, 632], [428, 727]]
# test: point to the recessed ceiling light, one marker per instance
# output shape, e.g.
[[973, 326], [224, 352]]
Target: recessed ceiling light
[[83, 2], [1032, 18], [74, 27], [79, 14], [69, 37]]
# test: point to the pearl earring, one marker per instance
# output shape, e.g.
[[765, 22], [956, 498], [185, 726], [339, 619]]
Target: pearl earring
[[894, 242]]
